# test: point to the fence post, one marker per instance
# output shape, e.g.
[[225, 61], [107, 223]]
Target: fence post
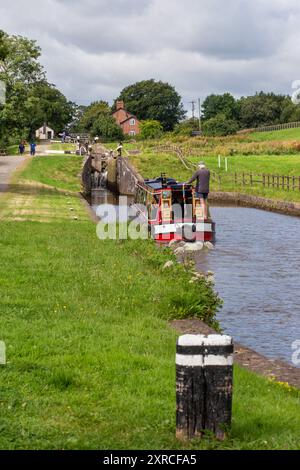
[[204, 376], [2, 353]]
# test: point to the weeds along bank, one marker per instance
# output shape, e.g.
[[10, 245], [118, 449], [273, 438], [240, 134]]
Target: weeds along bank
[[91, 358], [228, 146]]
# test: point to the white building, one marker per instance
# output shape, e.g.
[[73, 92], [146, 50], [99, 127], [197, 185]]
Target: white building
[[45, 133]]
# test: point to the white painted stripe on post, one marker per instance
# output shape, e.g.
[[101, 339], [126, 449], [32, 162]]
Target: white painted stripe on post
[[189, 361], [191, 340], [217, 340], [212, 360], [202, 340], [198, 360]]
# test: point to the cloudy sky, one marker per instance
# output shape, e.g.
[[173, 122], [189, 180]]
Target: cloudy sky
[[92, 49]]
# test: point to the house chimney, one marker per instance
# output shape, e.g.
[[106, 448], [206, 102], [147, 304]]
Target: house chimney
[[120, 105]]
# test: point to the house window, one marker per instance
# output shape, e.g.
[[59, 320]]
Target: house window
[[132, 133], [132, 122]]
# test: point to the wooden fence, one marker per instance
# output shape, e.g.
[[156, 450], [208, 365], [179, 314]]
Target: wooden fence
[[277, 127], [289, 183]]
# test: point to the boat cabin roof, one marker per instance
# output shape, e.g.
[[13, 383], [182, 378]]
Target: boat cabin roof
[[163, 183]]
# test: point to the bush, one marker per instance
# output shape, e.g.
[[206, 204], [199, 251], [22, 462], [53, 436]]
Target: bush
[[151, 129], [185, 128], [219, 126], [106, 128]]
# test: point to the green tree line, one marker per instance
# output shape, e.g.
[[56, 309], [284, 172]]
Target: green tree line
[[30, 100], [223, 114]]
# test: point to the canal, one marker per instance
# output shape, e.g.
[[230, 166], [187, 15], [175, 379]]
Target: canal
[[256, 264]]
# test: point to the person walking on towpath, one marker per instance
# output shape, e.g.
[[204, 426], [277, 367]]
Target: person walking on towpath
[[32, 149], [21, 148], [202, 175]]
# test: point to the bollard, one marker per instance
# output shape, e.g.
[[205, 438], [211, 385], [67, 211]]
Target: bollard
[[204, 375]]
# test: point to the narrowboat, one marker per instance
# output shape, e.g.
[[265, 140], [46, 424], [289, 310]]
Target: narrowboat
[[173, 211]]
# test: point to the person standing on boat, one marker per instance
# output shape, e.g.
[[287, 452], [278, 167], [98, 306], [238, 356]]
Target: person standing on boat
[[202, 175]]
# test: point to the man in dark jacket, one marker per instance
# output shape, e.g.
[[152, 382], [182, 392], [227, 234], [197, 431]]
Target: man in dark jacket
[[202, 175]]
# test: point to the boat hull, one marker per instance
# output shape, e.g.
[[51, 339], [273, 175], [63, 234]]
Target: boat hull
[[188, 232]]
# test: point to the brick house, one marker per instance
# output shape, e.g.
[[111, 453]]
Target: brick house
[[128, 122]]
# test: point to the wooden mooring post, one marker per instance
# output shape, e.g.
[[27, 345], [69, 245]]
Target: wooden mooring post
[[204, 376]]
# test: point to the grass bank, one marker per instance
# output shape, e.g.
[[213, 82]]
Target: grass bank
[[151, 164], [284, 134], [90, 353]]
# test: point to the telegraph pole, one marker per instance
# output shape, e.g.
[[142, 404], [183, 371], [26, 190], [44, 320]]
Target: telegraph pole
[[193, 108], [199, 104]]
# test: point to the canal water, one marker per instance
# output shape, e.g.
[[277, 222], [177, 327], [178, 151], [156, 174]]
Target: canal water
[[256, 263]]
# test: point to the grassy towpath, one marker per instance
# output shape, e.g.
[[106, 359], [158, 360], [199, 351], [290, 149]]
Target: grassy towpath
[[90, 353]]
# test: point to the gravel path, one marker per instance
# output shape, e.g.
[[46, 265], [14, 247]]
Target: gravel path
[[7, 166]]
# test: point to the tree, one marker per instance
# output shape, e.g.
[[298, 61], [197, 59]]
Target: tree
[[97, 120], [219, 125], [91, 113], [153, 100], [106, 128], [20, 60], [46, 103], [290, 112], [151, 129], [220, 104], [262, 109], [3, 47], [30, 99]]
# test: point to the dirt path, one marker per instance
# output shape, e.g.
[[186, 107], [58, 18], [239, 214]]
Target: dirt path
[[7, 166]]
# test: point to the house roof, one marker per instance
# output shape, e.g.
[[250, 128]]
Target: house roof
[[131, 116], [43, 127]]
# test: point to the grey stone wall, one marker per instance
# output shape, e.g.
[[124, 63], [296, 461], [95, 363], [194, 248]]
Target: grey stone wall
[[127, 177], [284, 207], [86, 179]]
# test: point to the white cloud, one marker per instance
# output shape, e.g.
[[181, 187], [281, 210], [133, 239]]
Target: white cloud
[[93, 48]]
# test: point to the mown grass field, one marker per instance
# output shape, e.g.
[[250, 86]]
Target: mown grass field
[[61, 146], [285, 134], [90, 353]]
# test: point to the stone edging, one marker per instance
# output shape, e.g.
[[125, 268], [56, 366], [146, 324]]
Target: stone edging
[[247, 200], [246, 357]]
